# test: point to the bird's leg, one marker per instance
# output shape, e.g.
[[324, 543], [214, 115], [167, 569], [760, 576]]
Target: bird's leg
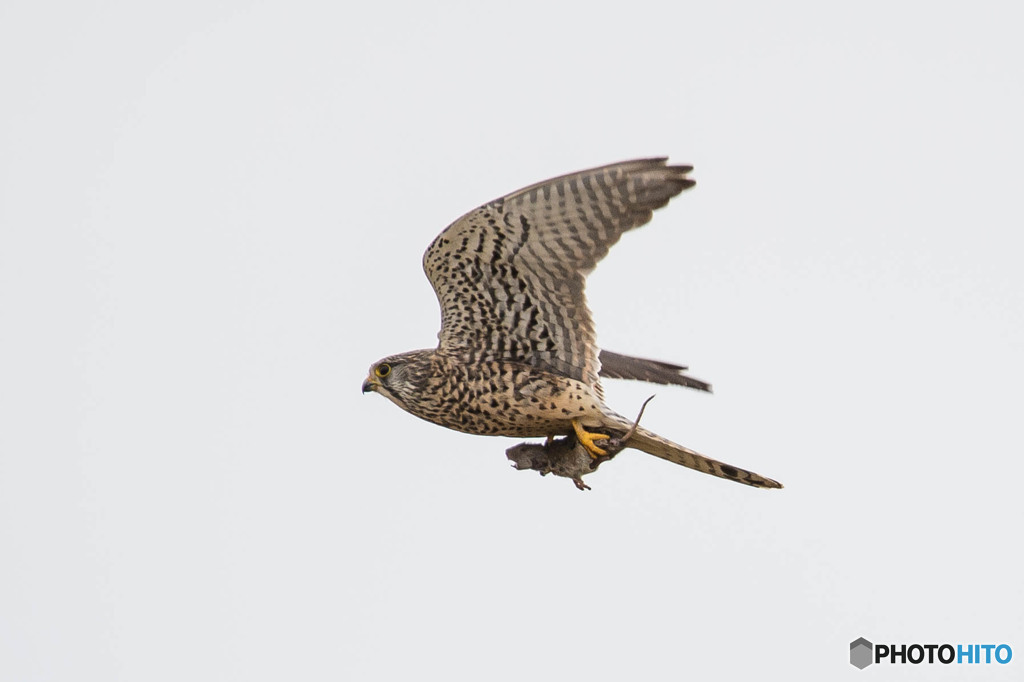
[[587, 439]]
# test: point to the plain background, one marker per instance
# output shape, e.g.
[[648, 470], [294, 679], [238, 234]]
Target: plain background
[[212, 216]]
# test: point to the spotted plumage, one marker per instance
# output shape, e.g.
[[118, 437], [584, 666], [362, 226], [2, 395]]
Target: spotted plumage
[[517, 353]]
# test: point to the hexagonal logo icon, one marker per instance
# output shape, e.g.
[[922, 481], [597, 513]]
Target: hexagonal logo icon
[[861, 653]]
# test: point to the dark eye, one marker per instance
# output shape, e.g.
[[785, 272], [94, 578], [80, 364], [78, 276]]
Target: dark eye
[[382, 370]]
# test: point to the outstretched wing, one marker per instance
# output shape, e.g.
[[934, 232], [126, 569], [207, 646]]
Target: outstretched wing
[[510, 274], [615, 366]]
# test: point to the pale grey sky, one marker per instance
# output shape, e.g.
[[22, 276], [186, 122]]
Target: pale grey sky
[[211, 222]]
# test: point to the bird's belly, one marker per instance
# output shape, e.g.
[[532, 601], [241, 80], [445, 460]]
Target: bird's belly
[[511, 402]]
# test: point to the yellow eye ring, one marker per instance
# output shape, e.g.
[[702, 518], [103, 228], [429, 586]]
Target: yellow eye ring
[[382, 370]]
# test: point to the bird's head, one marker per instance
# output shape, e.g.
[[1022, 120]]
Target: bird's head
[[399, 378]]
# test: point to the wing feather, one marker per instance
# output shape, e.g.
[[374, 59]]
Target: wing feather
[[616, 366], [510, 274]]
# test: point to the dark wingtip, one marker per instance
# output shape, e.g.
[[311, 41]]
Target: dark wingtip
[[618, 366]]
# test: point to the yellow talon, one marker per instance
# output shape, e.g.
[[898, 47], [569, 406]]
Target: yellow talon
[[587, 439]]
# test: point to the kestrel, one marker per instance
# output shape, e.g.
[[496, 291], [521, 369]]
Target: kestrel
[[517, 353]]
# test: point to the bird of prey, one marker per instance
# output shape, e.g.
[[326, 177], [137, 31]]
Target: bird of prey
[[517, 353]]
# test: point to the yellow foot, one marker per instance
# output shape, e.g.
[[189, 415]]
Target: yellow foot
[[587, 439]]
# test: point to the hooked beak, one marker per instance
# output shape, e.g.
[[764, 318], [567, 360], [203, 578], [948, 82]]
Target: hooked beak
[[369, 385]]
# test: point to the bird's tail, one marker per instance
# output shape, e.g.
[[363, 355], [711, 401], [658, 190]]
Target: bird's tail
[[653, 444]]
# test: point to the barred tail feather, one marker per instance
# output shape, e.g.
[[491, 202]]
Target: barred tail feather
[[654, 444]]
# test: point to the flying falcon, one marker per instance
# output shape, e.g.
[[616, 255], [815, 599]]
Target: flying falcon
[[516, 353]]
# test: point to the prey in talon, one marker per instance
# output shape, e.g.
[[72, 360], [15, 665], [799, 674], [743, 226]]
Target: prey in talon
[[567, 457]]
